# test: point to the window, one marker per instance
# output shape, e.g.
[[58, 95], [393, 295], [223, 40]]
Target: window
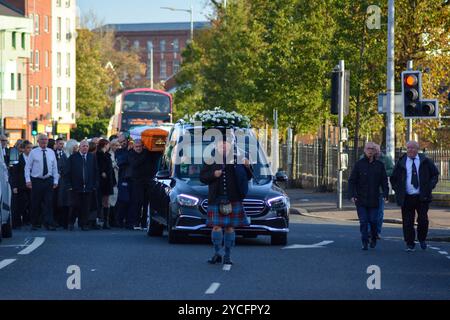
[[46, 24], [163, 70], [68, 65], [32, 60], [176, 45], [14, 39], [36, 60], [149, 71], [58, 99], [162, 45], [68, 100], [136, 44], [176, 66], [24, 38], [68, 33], [58, 64], [31, 96], [36, 93], [36, 23], [67, 3], [13, 82], [46, 95], [58, 29], [19, 82], [149, 45], [58, 3], [46, 59]]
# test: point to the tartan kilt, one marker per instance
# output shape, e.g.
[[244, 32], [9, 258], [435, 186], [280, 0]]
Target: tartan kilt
[[237, 217]]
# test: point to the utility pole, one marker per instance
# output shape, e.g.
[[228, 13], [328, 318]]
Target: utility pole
[[390, 114], [150, 62], [341, 125], [409, 132], [275, 147]]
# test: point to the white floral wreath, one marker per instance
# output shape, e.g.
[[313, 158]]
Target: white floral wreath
[[218, 118]]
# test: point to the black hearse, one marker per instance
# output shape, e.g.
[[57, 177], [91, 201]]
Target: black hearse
[[179, 201]]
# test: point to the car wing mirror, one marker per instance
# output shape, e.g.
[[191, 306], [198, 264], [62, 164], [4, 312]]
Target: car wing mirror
[[281, 176]]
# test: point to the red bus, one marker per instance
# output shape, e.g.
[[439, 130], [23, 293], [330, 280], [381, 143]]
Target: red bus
[[140, 107]]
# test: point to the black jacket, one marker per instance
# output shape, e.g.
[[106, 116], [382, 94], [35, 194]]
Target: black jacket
[[80, 180], [123, 164], [142, 166], [104, 163], [365, 182], [214, 184], [18, 174], [428, 178]]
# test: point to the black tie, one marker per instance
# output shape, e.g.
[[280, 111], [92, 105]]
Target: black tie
[[45, 163], [84, 168], [414, 178]]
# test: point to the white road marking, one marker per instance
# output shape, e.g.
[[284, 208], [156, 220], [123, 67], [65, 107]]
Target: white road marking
[[13, 245], [213, 288], [443, 252], [448, 257], [308, 246], [6, 262], [434, 248], [226, 267], [37, 242]]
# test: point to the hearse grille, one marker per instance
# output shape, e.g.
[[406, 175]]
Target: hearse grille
[[252, 207]]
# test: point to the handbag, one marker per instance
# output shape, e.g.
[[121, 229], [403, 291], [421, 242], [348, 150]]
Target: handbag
[[225, 207]]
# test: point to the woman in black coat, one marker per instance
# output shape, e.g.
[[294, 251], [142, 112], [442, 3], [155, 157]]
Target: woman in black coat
[[107, 178], [227, 187]]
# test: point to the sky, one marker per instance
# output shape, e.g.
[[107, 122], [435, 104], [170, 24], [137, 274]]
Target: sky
[[142, 11]]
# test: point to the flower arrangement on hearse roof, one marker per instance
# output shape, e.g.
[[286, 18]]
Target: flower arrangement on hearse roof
[[218, 118]]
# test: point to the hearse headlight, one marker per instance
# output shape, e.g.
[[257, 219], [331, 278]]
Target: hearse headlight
[[277, 202], [185, 200]]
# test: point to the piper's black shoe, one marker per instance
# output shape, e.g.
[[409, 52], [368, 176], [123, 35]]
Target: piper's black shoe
[[215, 259], [365, 246], [227, 261], [373, 243]]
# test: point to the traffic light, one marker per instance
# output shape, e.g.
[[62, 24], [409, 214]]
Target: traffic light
[[34, 128], [412, 93], [54, 128], [335, 93], [414, 106]]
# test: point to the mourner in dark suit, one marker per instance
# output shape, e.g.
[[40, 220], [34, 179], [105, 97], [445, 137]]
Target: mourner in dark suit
[[21, 194], [5, 150], [81, 180], [61, 197], [106, 177]]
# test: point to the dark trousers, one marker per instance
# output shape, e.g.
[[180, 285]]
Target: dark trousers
[[21, 204], [411, 206], [81, 207], [42, 201], [139, 204], [367, 216]]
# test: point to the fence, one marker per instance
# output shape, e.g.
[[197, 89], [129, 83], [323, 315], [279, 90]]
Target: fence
[[315, 165]]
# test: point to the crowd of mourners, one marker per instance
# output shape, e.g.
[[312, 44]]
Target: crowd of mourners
[[96, 183]]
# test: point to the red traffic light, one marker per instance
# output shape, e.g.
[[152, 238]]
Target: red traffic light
[[411, 80]]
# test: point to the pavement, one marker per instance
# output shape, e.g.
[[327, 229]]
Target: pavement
[[322, 205]]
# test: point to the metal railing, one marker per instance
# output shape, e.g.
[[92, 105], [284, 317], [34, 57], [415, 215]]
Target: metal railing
[[315, 165]]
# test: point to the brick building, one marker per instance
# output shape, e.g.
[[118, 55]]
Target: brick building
[[167, 40]]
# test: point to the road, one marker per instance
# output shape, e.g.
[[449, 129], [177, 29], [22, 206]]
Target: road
[[327, 263]]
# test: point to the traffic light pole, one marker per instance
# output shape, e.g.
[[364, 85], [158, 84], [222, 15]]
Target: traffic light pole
[[341, 125], [409, 132], [390, 114]]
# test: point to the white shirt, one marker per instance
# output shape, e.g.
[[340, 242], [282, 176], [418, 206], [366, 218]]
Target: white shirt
[[35, 166], [409, 187]]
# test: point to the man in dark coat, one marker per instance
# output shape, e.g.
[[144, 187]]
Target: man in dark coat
[[141, 173], [82, 180], [4, 149], [61, 193], [123, 185], [413, 180], [367, 177], [21, 194]]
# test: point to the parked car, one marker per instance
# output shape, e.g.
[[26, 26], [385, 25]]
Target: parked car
[[5, 195], [179, 200]]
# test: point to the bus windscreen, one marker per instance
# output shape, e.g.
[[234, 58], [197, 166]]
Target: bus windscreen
[[146, 102]]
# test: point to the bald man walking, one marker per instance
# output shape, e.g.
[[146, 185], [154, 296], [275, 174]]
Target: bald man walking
[[413, 180]]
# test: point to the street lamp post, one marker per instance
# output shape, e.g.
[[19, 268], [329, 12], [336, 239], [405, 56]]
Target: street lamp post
[[191, 12]]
